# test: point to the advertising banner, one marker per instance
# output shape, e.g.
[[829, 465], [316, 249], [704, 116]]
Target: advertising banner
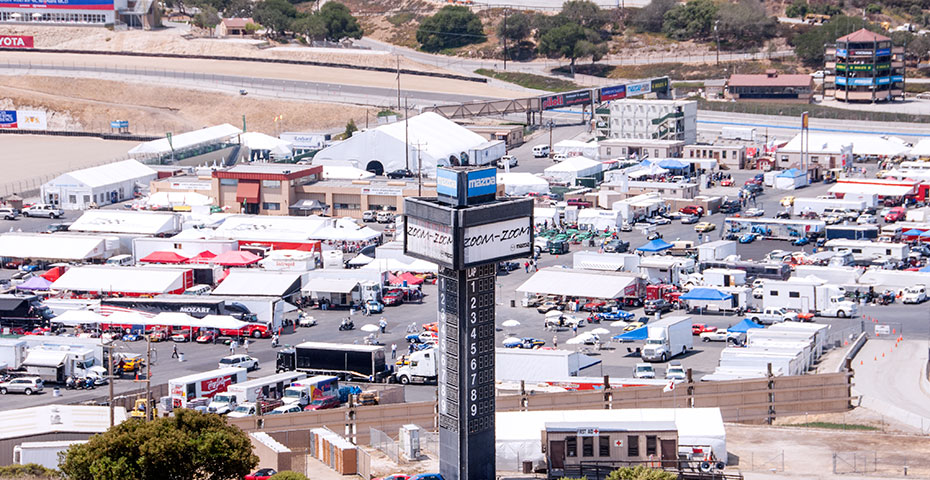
[[429, 239], [119, 124], [31, 120], [613, 93], [59, 4], [482, 182], [209, 388], [485, 243], [446, 183], [882, 51], [577, 97], [639, 88], [16, 41], [659, 85], [8, 119]]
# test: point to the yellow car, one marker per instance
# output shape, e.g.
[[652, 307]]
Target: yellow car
[[703, 227], [787, 201], [632, 326], [131, 364]]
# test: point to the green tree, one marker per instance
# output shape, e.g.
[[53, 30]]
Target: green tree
[[275, 15], [797, 9], [350, 129], [745, 24], [809, 45], [239, 9], [339, 22], [651, 17], [570, 41], [288, 475], [691, 21], [190, 445], [640, 473], [452, 26], [207, 17], [517, 27], [251, 28], [311, 26], [584, 13], [873, 8]]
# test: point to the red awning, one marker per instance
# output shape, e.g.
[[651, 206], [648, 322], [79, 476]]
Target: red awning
[[202, 257], [410, 278], [53, 274], [247, 192], [236, 258], [163, 257]]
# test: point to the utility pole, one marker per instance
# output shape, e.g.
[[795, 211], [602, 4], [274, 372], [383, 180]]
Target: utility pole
[[716, 37], [505, 38], [149, 410], [406, 135], [398, 82], [110, 370], [419, 145], [550, 138]]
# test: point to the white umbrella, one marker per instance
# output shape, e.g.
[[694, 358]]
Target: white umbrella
[[619, 323], [580, 339], [512, 341], [553, 313], [510, 323], [371, 328], [600, 331]]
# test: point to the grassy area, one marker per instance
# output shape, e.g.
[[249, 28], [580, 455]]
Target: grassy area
[[681, 71], [834, 426], [916, 87], [400, 18], [816, 111], [529, 80]]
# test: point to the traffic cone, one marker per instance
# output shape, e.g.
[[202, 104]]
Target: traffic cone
[[876, 359], [883, 354], [893, 332], [861, 362]]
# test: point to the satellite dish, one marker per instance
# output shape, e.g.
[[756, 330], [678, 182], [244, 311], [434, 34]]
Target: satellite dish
[[705, 467], [720, 465]]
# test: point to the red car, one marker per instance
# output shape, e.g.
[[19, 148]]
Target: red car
[[393, 297], [323, 403], [208, 336], [896, 214], [431, 327], [594, 306], [699, 328], [754, 181], [261, 474], [692, 210], [726, 182]]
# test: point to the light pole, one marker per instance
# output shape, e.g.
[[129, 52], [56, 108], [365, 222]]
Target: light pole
[[717, 39], [550, 138]]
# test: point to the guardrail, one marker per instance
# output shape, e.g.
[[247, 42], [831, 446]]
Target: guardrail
[[852, 351], [405, 71]]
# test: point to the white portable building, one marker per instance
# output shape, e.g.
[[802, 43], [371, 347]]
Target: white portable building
[[592, 219], [72, 248], [100, 185], [609, 262], [716, 250], [522, 183], [576, 148], [573, 168], [432, 140], [790, 179]]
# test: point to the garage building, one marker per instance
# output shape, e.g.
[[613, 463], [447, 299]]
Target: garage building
[[101, 185]]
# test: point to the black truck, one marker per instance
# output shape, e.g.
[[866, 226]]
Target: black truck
[[23, 311], [346, 361]]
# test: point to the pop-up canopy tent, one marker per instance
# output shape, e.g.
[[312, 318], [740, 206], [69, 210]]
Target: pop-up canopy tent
[[640, 333], [203, 257], [656, 245], [35, 283], [706, 294], [744, 326], [236, 258], [163, 257]]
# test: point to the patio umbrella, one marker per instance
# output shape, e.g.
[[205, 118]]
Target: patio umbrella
[[510, 323], [600, 331], [619, 323], [512, 342], [580, 339], [371, 328]]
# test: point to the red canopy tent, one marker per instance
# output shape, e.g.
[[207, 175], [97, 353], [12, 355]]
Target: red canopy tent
[[53, 274], [236, 258], [202, 257], [410, 278], [394, 279], [163, 257]]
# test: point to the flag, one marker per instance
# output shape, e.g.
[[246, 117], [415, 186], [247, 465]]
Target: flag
[[669, 387]]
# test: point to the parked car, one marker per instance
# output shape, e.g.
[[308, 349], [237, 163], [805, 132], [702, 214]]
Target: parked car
[[722, 335], [427, 476], [9, 213], [395, 476], [726, 182], [288, 408], [393, 297], [531, 343], [660, 305], [675, 371], [369, 216], [323, 403], [692, 210], [894, 214], [689, 219], [578, 202], [704, 227], [754, 212], [916, 294], [644, 370], [131, 364], [865, 219], [699, 328], [594, 306], [633, 326], [132, 337], [27, 385], [753, 187], [507, 161], [748, 237], [261, 474], [549, 306], [385, 217], [507, 267], [400, 173], [207, 336], [730, 206], [43, 210], [373, 306], [58, 227], [661, 220], [787, 201], [616, 246], [244, 361], [182, 336], [653, 236]]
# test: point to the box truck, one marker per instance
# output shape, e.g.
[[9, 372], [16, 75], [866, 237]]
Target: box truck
[[808, 296], [667, 338], [182, 390], [270, 387], [346, 361], [42, 453], [12, 353], [309, 389]]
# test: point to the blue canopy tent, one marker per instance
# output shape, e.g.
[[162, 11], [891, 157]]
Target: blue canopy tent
[[656, 245], [708, 294], [640, 333], [744, 326], [925, 234], [925, 269], [913, 232]]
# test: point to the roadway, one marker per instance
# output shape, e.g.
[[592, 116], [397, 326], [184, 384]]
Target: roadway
[[891, 378]]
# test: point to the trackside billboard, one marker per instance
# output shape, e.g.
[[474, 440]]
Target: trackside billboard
[[16, 41], [59, 4]]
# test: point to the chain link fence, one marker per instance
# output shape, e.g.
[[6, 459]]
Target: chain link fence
[[384, 443]]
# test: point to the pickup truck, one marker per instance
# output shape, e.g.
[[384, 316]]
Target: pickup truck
[[769, 316], [43, 210], [507, 160]]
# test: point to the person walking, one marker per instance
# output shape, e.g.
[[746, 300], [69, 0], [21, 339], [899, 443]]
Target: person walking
[[555, 341], [383, 324], [393, 351], [174, 352], [575, 329], [246, 344], [526, 266]]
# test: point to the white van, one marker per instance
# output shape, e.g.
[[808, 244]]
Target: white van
[[120, 260], [198, 290], [541, 151]]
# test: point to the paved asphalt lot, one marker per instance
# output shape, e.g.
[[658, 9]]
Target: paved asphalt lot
[[910, 320]]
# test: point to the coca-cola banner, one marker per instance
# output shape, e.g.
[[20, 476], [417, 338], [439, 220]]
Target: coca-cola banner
[[209, 388]]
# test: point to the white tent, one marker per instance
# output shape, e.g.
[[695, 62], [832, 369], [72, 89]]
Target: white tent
[[121, 221], [522, 183], [259, 141], [254, 282], [573, 148], [172, 199], [572, 168], [122, 279], [577, 283], [183, 141], [542, 215], [592, 219], [394, 265], [433, 140], [835, 143], [642, 171], [100, 185], [345, 172], [921, 148]]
